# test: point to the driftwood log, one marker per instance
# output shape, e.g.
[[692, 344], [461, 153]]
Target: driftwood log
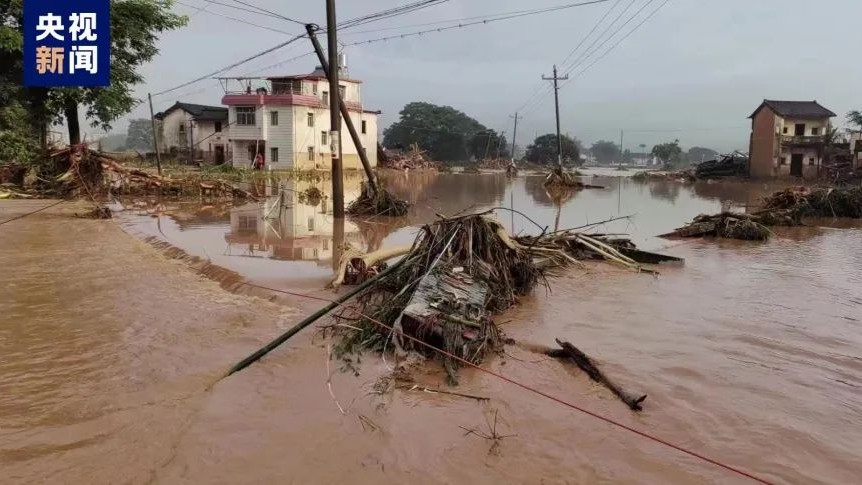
[[571, 353]]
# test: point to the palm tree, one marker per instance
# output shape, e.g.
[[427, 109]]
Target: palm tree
[[855, 118]]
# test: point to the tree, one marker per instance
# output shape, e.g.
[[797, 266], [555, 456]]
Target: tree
[[140, 135], [669, 153], [443, 131], [488, 144], [544, 150], [135, 25], [605, 151], [855, 118], [700, 154]]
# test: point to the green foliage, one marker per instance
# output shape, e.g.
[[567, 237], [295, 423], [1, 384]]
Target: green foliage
[[443, 131], [855, 118], [488, 144], [700, 154], [135, 26], [544, 150], [140, 135], [605, 151], [669, 153]]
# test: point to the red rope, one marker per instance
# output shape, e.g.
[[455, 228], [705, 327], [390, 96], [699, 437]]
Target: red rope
[[533, 390]]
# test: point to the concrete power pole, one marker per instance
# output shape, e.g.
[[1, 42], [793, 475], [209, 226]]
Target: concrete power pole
[[557, 107], [155, 136], [334, 113], [514, 136], [621, 147]]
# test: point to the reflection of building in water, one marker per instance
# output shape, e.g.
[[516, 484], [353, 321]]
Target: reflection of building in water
[[287, 228]]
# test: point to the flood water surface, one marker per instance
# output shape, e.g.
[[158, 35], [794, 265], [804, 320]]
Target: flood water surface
[[749, 353]]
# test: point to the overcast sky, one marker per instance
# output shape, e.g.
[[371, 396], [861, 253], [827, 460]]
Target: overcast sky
[[694, 70]]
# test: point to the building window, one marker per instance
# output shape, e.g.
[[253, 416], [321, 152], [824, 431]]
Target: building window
[[364, 127], [785, 130], [310, 117], [311, 224], [273, 155], [326, 97], [218, 126], [324, 138], [815, 131], [811, 161], [182, 128], [325, 244], [313, 88], [311, 154], [342, 92], [246, 223], [783, 160], [273, 118], [245, 115]]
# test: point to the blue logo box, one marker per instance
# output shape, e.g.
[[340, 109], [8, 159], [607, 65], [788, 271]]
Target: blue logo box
[[67, 43]]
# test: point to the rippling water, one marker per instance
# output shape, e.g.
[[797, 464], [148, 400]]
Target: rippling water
[[749, 353]]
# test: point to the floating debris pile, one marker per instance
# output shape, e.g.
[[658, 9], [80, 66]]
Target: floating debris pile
[[415, 158], [560, 178], [783, 208], [730, 225], [378, 202], [457, 275], [731, 165]]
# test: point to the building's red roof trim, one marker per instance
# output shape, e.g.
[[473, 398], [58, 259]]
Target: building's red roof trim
[[283, 100]]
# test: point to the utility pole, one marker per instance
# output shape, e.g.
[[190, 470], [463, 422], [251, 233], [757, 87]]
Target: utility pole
[[155, 136], [621, 148], [514, 135], [557, 107], [334, 113]]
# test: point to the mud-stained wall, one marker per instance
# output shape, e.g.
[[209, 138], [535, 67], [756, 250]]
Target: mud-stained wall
[[763, 144]]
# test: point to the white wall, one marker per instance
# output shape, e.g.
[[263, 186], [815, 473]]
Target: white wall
[[280, 136], [790, 124], [170, 130], [205, 136], [246, 132]]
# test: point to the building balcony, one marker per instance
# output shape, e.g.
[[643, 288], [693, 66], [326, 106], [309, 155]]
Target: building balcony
[[282, 99], [790, 140]]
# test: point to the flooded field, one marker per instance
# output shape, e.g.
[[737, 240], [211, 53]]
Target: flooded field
[[749, 353]]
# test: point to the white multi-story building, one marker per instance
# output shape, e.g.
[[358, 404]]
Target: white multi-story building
[[286, 119]]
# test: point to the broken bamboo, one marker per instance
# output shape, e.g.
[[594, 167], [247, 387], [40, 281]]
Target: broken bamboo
[[570, 352], [257, 355]]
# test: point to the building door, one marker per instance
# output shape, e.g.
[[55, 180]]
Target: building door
[[219, 154], [800, 129], [796, 164]]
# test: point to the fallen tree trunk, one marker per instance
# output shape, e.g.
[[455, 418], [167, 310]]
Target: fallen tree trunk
[[573, 354]]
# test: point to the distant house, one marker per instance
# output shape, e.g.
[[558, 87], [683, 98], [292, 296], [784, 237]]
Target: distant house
[[205, 128], [856, 148], [642, 159], [787, 138], [286, 119]]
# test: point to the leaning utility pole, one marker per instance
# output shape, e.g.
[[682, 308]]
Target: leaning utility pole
[[334, 113], [155, 136], [514, 134], [557, 106], [345, 114]]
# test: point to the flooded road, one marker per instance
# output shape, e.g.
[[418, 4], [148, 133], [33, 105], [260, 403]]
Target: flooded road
[[749, 353]]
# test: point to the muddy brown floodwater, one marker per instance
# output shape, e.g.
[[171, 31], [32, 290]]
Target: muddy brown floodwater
[[110, 352]]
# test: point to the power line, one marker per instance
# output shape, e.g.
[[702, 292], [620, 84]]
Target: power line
[[544, 86], [389, 13], [278, 15], [203, 9], [622, 39], [235, 64], [477, 22]]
